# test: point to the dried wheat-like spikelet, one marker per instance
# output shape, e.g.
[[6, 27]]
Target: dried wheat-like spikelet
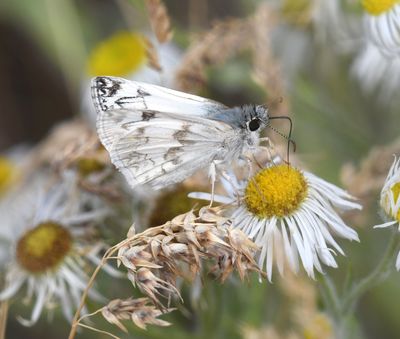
[[140, 311], [305, 314], [156, 258], [159, 256], [152, 56], [269, 331], [67, 143], [223, 41], [74, 145], [366, 180], [372, 172], [307, 320], [303, 296], [159, 20], [266, 69]]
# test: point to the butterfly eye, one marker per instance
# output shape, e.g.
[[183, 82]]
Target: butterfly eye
[[254, 125]]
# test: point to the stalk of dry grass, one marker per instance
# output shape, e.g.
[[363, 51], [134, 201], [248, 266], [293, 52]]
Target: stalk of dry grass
[[3, 318], [159, 20], [267, 70], [225, 40], [368, 179], [305, 319], [153, 60], [66, 143]]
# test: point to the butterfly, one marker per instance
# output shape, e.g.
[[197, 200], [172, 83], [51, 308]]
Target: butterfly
[[159, 136]]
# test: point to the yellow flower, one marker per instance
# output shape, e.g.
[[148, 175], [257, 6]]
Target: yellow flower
[[318, 327], [377, 7], [7, 174], [121, 54]]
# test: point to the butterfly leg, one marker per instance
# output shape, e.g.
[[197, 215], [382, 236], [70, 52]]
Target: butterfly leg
[[212, 174], [269, 146], [234, 185], [249, 164]]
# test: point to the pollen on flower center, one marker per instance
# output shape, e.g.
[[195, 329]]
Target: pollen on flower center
[[275, 191], [87, 166], [396, 191], [43, 247], [6, 173], [377, 7]]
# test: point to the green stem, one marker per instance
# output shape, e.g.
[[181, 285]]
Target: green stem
[[341, 307], [330, 296], [374, 277]]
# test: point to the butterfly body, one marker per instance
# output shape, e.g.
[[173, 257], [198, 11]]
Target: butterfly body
[[158, 136]]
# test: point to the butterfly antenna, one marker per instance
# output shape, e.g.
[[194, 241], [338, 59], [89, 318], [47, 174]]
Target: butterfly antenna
[[287, 137]]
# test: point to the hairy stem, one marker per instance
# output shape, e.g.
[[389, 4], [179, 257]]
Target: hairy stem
[[375, 277]]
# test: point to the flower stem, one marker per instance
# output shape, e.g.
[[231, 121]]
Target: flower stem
[[330, 295], [341, 306], [378, 274]]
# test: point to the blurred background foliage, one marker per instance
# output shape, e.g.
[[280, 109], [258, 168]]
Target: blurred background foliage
[[45, 46]]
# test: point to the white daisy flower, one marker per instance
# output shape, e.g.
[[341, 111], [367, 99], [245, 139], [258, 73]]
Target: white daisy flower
[[382, 25], [289, 214], [390, 201], [44, 230], [376, 71]]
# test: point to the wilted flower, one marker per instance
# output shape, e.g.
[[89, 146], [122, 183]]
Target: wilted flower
[[290, 213], [45, 229]]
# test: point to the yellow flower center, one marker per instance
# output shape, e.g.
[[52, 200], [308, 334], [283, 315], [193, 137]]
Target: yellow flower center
[[377, 7], [7, 174], [276, 191], [87, 166], [119, 55], [172, 203], [319, 326], [43, 247], [396, 191]]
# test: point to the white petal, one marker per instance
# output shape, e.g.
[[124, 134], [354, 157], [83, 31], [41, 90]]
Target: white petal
[[386, 224]]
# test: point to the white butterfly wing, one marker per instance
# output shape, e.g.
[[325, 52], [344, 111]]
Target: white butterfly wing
[[111, 93], [164, 148]]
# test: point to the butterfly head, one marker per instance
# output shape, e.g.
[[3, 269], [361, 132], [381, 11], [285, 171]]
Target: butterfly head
[[256, 117]]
